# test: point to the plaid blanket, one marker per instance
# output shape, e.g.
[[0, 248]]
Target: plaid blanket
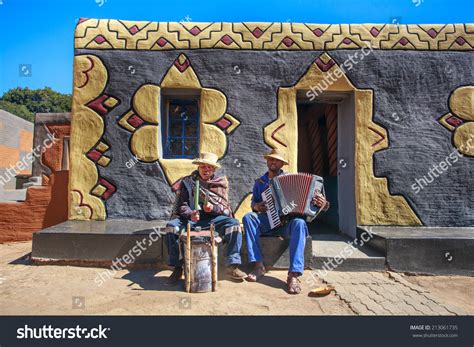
[[216, 188]]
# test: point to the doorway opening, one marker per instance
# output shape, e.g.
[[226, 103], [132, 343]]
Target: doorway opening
[[317, 154], [326, 147]]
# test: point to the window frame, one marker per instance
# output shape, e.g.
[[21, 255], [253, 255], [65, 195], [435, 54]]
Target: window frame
[[180, 96]]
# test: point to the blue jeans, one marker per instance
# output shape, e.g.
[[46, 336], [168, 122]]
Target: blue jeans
[[256, 224], [228, 228]]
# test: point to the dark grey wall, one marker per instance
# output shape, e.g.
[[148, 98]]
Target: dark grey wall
[[413, 85]]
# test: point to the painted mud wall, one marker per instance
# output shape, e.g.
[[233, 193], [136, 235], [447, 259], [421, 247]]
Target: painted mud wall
[[413, 92], [47, 192], [16, 139]]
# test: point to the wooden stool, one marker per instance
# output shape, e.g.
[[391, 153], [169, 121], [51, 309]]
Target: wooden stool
[[200, 260]]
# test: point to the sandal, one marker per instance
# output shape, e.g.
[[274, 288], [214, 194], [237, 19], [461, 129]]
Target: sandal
[[293, 285], [235, 273], [256, 274]]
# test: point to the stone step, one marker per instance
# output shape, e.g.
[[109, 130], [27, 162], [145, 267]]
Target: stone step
[[99, 243], [424, 250], [12, 195], [332, 251]]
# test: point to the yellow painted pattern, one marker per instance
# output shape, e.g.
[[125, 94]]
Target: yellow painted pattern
[[234, 123], [374, 203], [123, 121], [464, 139], [283, 132], [461, 104], [146, 139], [87, 127], [244, 207], [104, 161], [80, 211], [175, 79], [135, 35], [144, 143], [146, 103]]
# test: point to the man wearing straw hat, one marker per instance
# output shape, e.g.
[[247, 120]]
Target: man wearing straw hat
[[256, 223], [212, 208]]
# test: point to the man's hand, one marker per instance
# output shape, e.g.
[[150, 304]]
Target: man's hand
[[208, 207], [319, 200], [260, 206], [195, 216]]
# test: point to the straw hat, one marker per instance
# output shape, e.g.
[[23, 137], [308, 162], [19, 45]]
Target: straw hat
[[207, 159], [276, 154]]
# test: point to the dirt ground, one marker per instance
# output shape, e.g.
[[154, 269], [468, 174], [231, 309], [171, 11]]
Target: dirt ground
[[66, 290]]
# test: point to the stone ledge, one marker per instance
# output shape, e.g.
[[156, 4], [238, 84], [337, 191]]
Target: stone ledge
[[99, 243], [424, 250]]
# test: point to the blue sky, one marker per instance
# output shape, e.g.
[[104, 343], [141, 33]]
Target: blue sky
[[38, 34]]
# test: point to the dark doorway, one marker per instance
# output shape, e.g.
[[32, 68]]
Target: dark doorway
[[317, 154]]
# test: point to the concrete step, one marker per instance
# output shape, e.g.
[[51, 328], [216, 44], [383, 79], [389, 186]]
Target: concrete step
[[333, 251], [424, 250], [100, 243], [12, 195]]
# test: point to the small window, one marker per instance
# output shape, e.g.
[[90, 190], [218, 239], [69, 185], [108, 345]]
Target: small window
[[181, 127]]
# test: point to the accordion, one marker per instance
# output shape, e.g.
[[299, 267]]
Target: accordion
[[292, 195]]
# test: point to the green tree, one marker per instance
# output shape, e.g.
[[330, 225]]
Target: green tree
[[44, 100], [18, 110]]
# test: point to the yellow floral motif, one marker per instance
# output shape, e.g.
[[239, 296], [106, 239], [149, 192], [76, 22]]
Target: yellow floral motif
[[461, 104], [147, 137]]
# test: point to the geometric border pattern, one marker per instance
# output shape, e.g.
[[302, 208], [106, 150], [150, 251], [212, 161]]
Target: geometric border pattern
[[133, 35]]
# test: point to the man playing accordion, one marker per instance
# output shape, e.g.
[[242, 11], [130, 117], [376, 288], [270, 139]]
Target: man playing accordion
[[257, 223]]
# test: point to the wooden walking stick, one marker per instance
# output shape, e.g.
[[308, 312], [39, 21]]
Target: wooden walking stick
[[213, 260], [188, 258]]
